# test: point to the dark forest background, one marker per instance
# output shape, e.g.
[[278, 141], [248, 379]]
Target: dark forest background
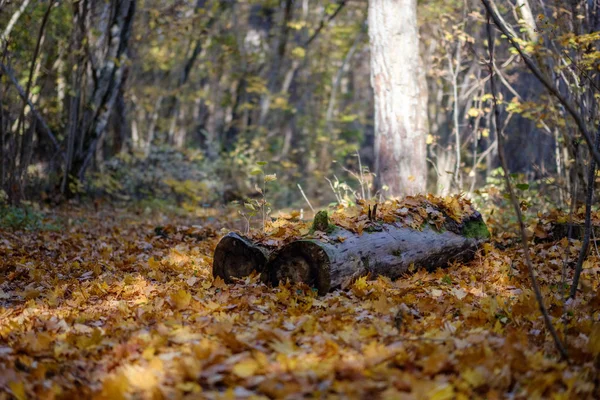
[[179, 100]]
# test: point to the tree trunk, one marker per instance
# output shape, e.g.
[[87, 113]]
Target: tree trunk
[[390, 251], [103, 29], [11, 23], [400, 149]]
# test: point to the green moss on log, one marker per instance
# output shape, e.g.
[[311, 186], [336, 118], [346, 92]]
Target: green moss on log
[[476, 229], [321, 223]]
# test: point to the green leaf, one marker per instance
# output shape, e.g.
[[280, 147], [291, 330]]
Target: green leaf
[[261, 163], [256, 171], [522, 186]]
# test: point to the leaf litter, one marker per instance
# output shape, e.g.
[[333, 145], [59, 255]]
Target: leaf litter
[[113, 308]]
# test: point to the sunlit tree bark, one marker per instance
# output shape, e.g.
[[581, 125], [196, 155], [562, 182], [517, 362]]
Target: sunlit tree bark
[[400, 149]]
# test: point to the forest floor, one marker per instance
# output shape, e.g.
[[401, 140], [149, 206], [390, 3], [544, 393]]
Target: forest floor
[[107, 306]]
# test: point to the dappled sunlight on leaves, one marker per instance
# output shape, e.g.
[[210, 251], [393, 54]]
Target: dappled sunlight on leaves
[[111, 309]]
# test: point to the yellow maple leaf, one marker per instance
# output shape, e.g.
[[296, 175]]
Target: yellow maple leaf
[[360, 286], [180, 299], [245, 368], [382, 305], [153, 264], [284, 346], [114, 387], [141, 378], [444, 391], [594, 341], [18, 390], [219, 283], [474, 377], [473, 112]]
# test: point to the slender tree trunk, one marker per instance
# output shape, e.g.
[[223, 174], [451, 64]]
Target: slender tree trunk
[[326, 149], [527, 15], [27, 134], [152, 125], [277, 62], [3, 132], [104, 28], [400, 149], [13, 21]]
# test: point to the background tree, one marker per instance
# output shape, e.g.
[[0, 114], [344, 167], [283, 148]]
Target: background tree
[[400, 150], [287, 85]]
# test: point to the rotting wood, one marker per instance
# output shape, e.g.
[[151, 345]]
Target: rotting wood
[[388, 249]]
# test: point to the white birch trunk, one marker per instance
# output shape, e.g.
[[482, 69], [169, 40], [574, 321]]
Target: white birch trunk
[[13, 20], [400, 149]]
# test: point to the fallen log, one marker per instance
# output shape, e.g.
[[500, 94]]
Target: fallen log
[[561, 230], [386, 249], [236, 257]]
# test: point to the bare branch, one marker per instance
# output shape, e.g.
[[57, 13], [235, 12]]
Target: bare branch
[[588, 221], [325, 21], [13, 21], [536, 289], [540, 76], [11, 75]]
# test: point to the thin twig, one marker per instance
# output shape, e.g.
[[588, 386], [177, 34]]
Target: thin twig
[[337, 196], [524, 241], [540, 76], [563, 279], [360, 170], [27, 137], [588, 221], [595, 244], [323, 22], [10, 73], [306, 198], [360, 181]]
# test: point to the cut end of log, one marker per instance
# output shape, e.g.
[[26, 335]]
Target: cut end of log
[[303, 261], [237, 257]]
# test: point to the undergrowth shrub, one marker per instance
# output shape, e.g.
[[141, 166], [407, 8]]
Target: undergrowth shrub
[[166, 174], [493, 201], [24, 217]]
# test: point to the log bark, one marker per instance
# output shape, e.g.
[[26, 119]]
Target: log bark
[[561, 230], [236, 257], [388, 250]]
